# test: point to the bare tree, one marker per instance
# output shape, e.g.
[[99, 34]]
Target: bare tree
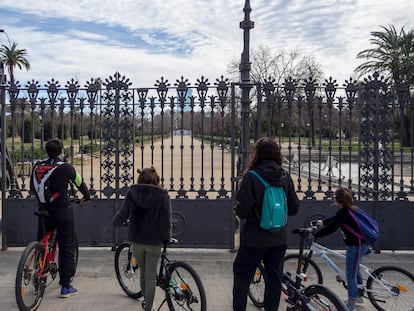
[[278, 66]]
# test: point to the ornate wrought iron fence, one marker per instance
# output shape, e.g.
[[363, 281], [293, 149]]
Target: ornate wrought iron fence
[[112, 129], [354, 135], [121, 128], [351, 135]]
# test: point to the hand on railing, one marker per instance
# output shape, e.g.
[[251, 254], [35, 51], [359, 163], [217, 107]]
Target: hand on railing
[[85, 200]]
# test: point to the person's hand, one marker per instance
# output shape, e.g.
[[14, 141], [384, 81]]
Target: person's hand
[[85, 200], [309, 239], [317, 223]]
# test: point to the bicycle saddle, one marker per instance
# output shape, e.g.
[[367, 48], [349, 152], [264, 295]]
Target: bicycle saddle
[[309, 230]]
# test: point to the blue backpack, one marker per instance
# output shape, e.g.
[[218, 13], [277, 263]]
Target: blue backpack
[[274, 207], [368, 227]]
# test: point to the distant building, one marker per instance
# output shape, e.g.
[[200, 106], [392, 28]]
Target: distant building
[[177, 132]]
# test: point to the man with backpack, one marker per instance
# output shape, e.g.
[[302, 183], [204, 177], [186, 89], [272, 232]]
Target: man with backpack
[[262, 237], [49, 183]]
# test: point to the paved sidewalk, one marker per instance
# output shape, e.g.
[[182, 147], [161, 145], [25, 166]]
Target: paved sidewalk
[[99, 289]]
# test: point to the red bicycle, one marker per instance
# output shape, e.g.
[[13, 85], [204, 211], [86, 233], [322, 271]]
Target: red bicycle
[[38, 267]]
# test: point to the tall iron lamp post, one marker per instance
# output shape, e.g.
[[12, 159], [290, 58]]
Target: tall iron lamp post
[[2, 75], [245, 84], [3, 145]]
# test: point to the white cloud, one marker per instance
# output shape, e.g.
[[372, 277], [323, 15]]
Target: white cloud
[[206, 32]]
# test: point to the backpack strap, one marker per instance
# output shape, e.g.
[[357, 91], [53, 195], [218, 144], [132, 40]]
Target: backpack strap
[[350, 229], [264, 182]]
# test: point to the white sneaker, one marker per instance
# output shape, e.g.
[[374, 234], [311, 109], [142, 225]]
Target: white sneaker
[[351, 307]]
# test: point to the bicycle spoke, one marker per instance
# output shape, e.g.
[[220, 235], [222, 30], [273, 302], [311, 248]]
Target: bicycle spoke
[[321, 298], [127, 271], [257, 287], [185, 291], [30, 285], [393, 289]]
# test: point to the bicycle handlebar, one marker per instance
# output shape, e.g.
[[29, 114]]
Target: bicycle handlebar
[[172, 241], [44, 213]]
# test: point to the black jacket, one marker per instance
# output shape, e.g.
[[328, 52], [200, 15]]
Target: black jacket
[[148, 209], [341, 218], [249, 200]]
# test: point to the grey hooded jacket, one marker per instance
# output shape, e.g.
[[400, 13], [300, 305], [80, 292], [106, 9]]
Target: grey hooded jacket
[[148, 209]]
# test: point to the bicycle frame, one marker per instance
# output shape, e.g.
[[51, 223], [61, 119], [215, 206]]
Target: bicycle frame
[[50, 252], [162, 272], [323, 251]]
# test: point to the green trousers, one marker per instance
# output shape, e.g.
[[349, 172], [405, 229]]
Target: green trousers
[[147, 257]]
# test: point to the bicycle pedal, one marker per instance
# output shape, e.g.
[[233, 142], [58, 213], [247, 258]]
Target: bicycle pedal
[[339, 279]]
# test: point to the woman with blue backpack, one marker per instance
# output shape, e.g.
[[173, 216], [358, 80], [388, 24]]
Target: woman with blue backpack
[[260, 241], [357, 242]]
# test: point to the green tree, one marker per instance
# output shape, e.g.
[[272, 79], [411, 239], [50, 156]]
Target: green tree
[[13, 57], [391, 56]]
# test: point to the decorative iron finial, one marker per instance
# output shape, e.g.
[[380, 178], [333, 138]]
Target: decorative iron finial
[[246, 25]]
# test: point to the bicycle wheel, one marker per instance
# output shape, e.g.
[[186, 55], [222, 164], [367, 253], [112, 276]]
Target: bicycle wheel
[[185, 290], [391, 289], [127, 271], [309, 267], [257, 287], [321, 298], [29, 287]]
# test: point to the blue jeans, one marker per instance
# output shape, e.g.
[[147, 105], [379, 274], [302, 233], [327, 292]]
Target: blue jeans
[[244, 266], [353, 275]]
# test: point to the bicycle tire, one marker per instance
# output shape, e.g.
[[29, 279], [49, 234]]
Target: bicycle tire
[[322, 298], [127, 271], [29, 288], [310, 268], [257, 287], [184, 290], [400, 295]]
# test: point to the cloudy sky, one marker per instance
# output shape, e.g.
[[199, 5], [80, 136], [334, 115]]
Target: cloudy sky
[[146, 40]]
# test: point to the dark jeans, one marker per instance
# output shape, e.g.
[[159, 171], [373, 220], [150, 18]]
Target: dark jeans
[[244, 267], [61, 218]]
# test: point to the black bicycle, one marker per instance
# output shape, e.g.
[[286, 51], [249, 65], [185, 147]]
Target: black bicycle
[[180, 282], [298, 297]]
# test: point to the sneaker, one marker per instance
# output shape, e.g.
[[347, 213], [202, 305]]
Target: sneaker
[[351, 307], [66, 292], [154, 308], [359, 300]]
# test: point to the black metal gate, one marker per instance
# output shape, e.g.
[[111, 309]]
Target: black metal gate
[[109, 131]]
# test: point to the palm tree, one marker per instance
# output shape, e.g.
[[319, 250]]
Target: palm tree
[[392, 55], [13, 57]]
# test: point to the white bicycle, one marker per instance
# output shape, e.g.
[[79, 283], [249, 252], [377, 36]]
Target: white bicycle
[[388, 288]]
